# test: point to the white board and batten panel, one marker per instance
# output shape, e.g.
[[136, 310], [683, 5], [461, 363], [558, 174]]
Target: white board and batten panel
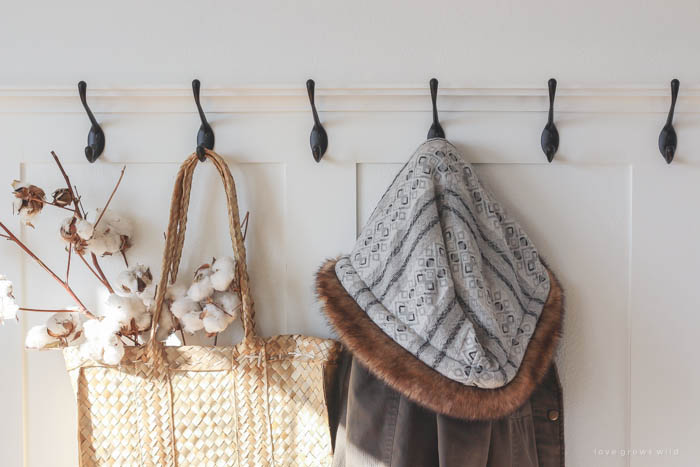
[[613, 221]]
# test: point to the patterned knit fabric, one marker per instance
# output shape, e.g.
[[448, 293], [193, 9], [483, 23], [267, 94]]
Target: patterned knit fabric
[[446, 273]]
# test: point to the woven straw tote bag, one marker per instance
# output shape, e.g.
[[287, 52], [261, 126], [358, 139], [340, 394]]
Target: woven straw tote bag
[[261, 402]]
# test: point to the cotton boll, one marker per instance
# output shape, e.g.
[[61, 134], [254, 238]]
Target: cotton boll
[[92, 329], [126, 284], [149, 302], [84, 229], [64, 325], [102, 342], [203, 271], [136, 281], [78, 321], [184, 305], [227, 301], [8, 305], [124, 309], [113, 355], [109, 327], [225, 263], [8, 308], [221, 280], [111, 235], [116, 223], [91, 350], [166, 324], [223, 273], [143, 321], [175, 292], [200, 289], [6, 288], [66, 229], [192, 321], [113, 351], [143, 275], [105, 243], [100, 330], [38, 338], [29, 201], [215, 320], [132, 305], [62, 197], [148, 296]]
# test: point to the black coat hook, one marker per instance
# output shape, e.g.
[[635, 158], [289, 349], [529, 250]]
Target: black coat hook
[[205, 135], [96, 137], [550, 135], [436, 130], [668, 140], [319, 137]]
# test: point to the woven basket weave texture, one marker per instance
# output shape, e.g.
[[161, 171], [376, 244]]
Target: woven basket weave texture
[[259, 403]]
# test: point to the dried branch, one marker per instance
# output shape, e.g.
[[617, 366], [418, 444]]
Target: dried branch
[[80, 200], [126, 261], [42, 310], [78, 205], [70, 250], [64, 284], [131, 338], [104, 210], [49, 203], [68, 184], [102, 274]]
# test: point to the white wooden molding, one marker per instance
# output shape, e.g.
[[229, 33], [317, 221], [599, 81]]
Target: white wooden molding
[[575, 99]]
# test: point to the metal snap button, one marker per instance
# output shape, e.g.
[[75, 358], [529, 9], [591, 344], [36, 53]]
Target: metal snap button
[[553, 415]]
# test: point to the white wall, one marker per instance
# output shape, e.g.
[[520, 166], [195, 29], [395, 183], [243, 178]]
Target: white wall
[[618, 226]]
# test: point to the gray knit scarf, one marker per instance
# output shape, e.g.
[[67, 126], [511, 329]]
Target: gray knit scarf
[[446, 273]]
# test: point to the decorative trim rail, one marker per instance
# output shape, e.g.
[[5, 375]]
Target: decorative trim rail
[[620, 99]]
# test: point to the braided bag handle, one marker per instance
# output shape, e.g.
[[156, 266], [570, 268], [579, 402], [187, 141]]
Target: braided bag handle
[[175, 239]]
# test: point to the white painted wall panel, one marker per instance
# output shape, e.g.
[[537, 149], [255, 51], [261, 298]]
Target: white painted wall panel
[[365, 41], [600, 213], [665, 296]]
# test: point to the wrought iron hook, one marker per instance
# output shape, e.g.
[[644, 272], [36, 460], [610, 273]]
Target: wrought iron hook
[[205, 135], [319, 137], [436, 130], [550, 135], [668, 140], [96, 137]]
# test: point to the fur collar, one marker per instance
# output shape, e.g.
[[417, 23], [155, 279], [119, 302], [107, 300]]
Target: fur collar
[[420, 383]]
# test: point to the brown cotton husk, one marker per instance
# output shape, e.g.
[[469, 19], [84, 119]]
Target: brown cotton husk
[[69, 326], [143, 281], [31, 199], [69, 233], [62, 197], [202, 271]]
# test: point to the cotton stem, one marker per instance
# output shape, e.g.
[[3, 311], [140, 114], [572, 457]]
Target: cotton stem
[[63, 283]]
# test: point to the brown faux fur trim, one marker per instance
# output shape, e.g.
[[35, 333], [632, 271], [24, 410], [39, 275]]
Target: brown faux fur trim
[[420, 383]]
